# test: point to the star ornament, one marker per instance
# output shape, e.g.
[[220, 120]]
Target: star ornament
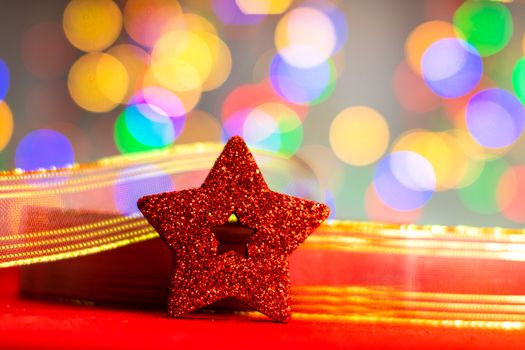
[[232, 237]]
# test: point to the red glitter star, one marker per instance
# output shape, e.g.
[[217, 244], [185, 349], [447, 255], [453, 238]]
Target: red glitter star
[[279, 223]]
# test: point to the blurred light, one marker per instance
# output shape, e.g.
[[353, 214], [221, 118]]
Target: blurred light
[[422, 37], [487, 25], [46, 52], [229, 13], [43, 149], [147, 20], [221, 64], [135, 60], [495, 118], [169, 103], [271, 126], [303, 85], [451, 67], [263, 7], [6, 124], [510, 193], [181, 60], [404, 180], [336, 16], [98, 82], [518, 79], [448, 153], [200, 127], [412, 92], [481, 195], [5, 79], [305, 37], [92, 25], [359, 135], [126, 193], [455, 107], [244, 98], [189, 98], [377, 210], [143, 127]]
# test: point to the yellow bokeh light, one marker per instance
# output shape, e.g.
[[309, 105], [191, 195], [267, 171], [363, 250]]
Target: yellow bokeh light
[[221, 62], [6, 124], [359, 135], [263, 7], [98, 82], [450, 154], [135, 60], [181, 60], [191, 22], [92, 25], [305, 37], [188, 98], [422, 37]]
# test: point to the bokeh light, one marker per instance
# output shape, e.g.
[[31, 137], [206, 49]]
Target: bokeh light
[[449, 153], [229, 12], [487, 25], [200, 127], [182, 60], [46, 52], [422, 37], [127, 192], [510, 193], [303, 85], [481, 195], [271, 126], [263, 7], [98, 82], [244, 98], [451, 67], [136, 61], [147, 20], [44, 149], [495, 118], [359, 135], [518, 79], [92, 25], [6, 124], [5, 79], [305, 37], [189, 98], [412, 92], [336, 16], [377, 210], [404, 180], [143, 126]]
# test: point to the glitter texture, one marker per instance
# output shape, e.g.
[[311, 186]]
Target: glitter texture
[[201, 276]]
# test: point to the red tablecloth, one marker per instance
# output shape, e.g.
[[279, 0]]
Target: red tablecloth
[[28, 324]]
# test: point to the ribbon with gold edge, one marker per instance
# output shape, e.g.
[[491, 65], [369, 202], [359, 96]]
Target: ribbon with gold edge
[[52, 215]]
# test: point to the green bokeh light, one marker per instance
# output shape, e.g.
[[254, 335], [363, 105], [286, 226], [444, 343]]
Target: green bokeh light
[[486, 25], [518, 79], [481, 195], [126, 142]]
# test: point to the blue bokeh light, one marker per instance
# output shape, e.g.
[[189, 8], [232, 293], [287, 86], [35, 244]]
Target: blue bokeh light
[[4, 79], [451, 67], [495, 118], [44, 149]]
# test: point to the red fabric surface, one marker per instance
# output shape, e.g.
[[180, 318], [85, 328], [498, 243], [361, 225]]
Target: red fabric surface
[[26, 324]]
